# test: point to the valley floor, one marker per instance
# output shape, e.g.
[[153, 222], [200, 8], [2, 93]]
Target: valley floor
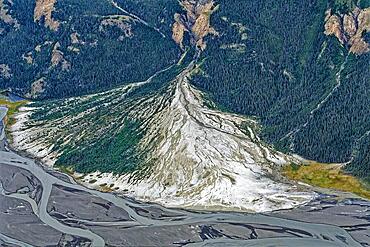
[[36, 199]]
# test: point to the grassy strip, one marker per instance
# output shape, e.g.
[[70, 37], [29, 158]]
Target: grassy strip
[[67, 169], [13, 108], [326, 176]]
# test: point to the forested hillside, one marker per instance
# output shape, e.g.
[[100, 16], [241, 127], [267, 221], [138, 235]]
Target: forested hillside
[[75, 47], [274, 60], [302, 68]]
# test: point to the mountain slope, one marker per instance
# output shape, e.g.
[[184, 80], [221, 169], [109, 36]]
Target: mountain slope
[[279, 62], [170, 147], [152, 98], [77, 47]]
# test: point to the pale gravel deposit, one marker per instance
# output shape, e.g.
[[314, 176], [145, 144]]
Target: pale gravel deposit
[[203, 158]]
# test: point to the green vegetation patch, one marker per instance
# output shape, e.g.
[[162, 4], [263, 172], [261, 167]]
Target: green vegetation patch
[[344, 6], [326, 176], [117, 154], [13, 108]]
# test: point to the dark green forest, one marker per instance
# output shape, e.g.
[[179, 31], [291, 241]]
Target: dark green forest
[[281, 69], [103, 60], [271, 60]]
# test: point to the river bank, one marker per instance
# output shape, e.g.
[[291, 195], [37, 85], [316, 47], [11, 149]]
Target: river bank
[[42, 198]]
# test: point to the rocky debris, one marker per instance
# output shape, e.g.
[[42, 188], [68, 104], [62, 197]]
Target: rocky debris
[[185, 166], [57, 58], [28, 58], [37, 87], [178, 30], [288, 74], [235, 47], [76, 41], [73, 49], [333, 27], [349, 25], [45, 8], [6, 17], [196, 21], [240, 27], [122, 22], [74, 38], [5, 71], [350, 29], [38, 48]]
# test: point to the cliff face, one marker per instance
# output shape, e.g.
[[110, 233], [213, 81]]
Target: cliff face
[[195, 21], [44, 9], [57, 58], [350, 29], [178, 30]]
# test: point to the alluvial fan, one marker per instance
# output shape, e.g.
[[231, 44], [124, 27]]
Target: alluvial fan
[[160, 141]]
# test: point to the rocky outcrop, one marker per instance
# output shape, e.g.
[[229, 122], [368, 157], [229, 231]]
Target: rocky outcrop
[[195, 21], [37, 87], [178, 30], [77, 42], [240, 48], [74, 38], [39, 47], [28, 58], [5, 71], [349, 25], [44, 9], [333, 27], [350, 28], [240, 27], [122, 22], [57, 58], [6, 17]]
